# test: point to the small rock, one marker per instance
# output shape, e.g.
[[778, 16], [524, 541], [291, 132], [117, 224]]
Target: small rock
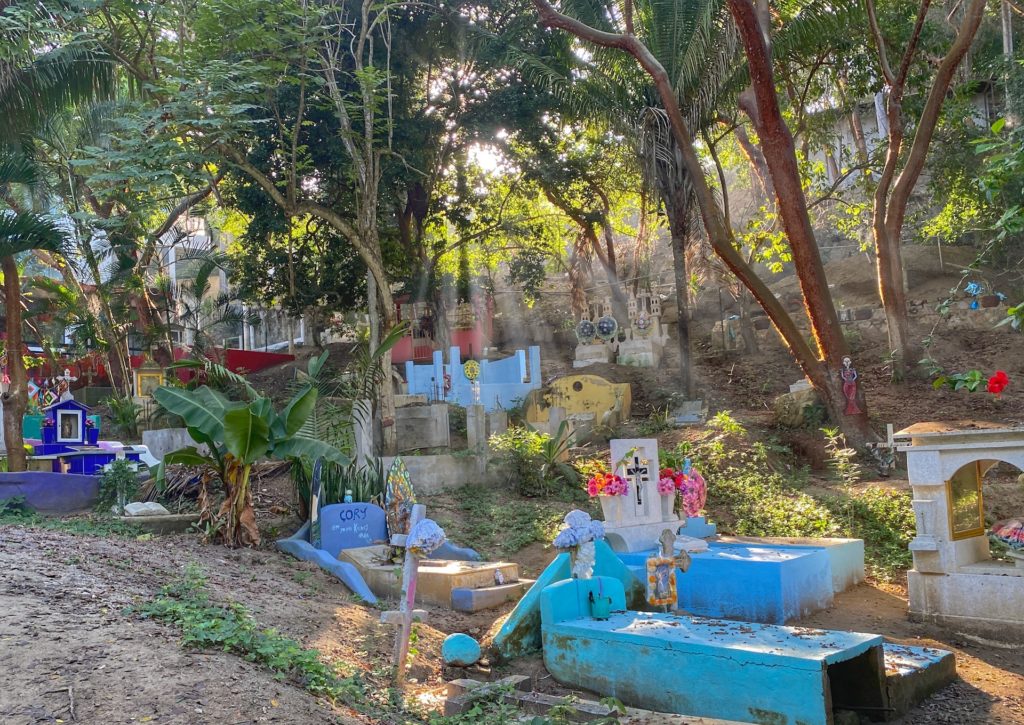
[[460, 650]]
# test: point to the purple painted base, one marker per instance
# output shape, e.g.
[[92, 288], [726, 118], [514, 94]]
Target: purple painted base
[[51, 493]]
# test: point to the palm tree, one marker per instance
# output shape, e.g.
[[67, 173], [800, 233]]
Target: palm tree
[[35, 83], [20, 231]]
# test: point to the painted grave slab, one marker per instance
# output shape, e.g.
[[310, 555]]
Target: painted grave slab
[[742, 671], [751, 583], [350, 526]]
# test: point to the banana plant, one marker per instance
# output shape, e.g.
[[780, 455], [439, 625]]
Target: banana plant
[[237, 434]]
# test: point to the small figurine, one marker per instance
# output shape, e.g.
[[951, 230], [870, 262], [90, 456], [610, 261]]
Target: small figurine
[[849, 376]]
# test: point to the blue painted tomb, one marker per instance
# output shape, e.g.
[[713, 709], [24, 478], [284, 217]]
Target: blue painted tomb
[[707, 667]]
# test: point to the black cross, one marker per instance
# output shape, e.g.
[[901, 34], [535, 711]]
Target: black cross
[[639, 473]]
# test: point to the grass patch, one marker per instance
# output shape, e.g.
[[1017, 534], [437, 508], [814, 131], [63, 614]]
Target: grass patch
[[14, 512], [498, 525], [884, 518], [231, 628]]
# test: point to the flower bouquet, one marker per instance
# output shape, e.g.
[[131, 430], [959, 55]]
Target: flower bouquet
[[668, 488], [49, 431], [610, 488], [693, 490]]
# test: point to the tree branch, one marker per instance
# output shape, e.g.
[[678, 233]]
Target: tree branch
[[876, 33]]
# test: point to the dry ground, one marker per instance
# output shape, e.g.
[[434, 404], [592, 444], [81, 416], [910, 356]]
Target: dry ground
[[64, 635]]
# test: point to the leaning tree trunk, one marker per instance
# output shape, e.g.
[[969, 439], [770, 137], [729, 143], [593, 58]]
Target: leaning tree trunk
[[16, 397]]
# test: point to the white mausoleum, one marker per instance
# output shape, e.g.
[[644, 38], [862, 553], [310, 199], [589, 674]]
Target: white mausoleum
[[955, 582]]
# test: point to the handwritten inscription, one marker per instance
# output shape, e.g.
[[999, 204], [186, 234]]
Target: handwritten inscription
[[347, 526]]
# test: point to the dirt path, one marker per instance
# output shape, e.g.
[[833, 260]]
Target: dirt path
[[64, 635], [63, 625], [991, 685]]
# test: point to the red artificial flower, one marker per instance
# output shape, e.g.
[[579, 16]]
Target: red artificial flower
[[998, 382]]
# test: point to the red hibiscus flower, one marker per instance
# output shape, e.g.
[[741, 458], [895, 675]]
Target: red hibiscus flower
[[998, 382]]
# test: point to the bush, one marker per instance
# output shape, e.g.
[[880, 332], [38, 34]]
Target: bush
[[119, 485], [884, 518], [124, 411], [533, 459]]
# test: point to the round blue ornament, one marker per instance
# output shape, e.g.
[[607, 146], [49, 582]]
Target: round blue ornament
[[586, 332], [460, 650], [607, 328]]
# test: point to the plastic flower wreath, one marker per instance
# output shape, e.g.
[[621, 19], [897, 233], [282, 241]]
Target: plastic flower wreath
[[998, 382], [607, 484], [693, 490]]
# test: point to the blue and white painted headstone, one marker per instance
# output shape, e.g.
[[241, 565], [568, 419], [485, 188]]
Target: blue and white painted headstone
[[351, 525]]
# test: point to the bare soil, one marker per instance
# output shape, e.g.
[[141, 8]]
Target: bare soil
[[66, 636]]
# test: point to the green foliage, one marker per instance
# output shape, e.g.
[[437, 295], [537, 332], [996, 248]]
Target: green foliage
[[245, 431], [970, 381], [498, 525], [657, 422], [231, 628], [119, 485], [495, 707], [842, 458], [124, 412], [367, 482], [724, 422], [753, 494], [533, 459], [884, 518], [15, 512]]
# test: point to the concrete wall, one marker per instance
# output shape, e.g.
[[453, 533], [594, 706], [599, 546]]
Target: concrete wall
[[430, 474], [422, 426], [163, 441], [502, 382]]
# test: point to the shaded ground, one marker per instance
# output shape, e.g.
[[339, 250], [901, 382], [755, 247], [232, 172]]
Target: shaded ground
[[63, 625]]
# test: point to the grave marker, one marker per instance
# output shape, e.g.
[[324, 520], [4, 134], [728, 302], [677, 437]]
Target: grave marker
[[351, 525]]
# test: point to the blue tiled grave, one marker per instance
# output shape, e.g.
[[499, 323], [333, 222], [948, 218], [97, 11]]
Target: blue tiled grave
[[769, 584]]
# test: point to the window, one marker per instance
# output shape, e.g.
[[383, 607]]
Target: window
[[966, 511], [69, 426]]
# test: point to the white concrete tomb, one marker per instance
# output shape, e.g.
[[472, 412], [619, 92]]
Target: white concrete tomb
[[955, 582]]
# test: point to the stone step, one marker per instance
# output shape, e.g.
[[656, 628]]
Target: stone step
[[914, 673], [469, 575], [465, 599]]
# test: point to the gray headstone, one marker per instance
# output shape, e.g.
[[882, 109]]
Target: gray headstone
[[351, 525]]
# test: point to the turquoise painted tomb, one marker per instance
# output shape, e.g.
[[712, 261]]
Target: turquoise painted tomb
[[717, 668]]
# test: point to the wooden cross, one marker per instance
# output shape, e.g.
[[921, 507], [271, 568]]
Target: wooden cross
[[406, 613]]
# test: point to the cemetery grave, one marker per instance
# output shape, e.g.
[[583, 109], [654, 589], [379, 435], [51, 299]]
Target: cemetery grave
[[395, 363]]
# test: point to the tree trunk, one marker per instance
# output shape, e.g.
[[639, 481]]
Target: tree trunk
[[16, 397], [381, 322], [679, 225], [824, 374], [893, 192], [758, 167], [236, 512]]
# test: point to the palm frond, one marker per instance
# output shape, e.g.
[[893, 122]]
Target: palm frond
[[22, 232]]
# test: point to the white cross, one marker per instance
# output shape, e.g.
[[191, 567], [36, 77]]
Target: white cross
[[406, 613]]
